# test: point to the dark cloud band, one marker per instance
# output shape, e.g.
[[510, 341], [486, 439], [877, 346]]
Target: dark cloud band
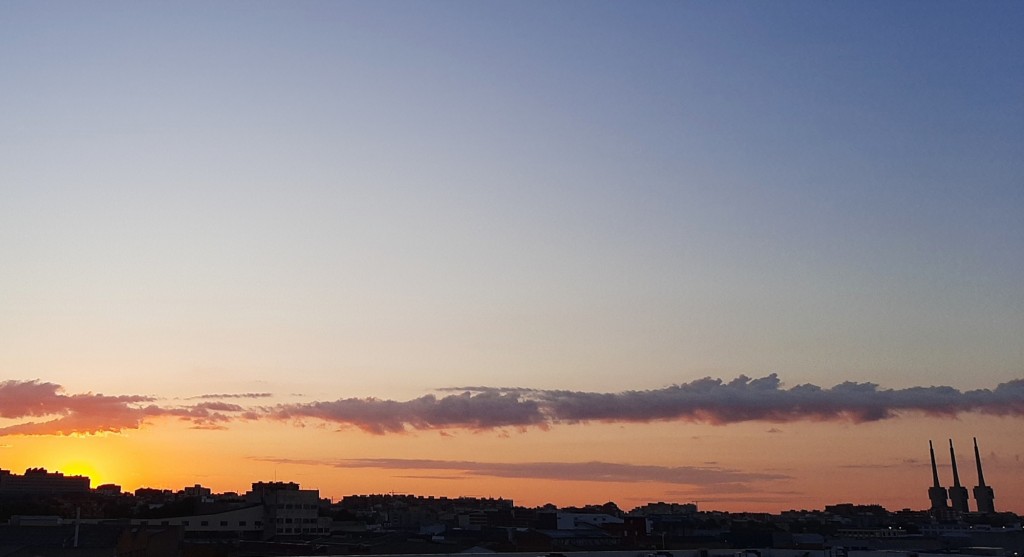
[[707, 400]]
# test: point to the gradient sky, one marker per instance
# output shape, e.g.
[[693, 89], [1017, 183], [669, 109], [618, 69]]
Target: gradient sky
[[552, 251]]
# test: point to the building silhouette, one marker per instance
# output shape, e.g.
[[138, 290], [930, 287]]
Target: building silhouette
[[37, 481]]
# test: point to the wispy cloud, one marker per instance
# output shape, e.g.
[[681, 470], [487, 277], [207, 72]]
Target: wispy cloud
[[594, 471], [231, 395], [898, 464]]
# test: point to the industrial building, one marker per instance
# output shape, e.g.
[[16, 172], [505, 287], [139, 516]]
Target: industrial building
[[954, 499]]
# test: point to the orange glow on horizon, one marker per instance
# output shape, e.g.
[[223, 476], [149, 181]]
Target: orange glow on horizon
[[815, 463]]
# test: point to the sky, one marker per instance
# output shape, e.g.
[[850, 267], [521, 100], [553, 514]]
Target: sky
[[752, 255]]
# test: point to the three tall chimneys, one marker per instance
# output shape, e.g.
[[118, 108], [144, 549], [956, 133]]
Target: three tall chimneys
[[957, 495]]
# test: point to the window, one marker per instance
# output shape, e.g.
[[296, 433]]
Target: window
[[223, 523], [184, 523], [204, 523], [241, 523]]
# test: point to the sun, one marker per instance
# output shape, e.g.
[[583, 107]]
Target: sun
[[82, 468]]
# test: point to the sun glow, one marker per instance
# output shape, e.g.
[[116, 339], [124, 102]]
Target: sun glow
[[80, 467], [100, 458]]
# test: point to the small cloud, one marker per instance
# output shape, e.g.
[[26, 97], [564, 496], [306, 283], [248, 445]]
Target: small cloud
[[424, 477], [774, 430], [231, 395]]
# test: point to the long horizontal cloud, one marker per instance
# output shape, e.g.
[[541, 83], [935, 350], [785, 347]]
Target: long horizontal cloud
[[744, 399], [706, 400], [483, 410], [88, 413], [594, 471], [44, 408]]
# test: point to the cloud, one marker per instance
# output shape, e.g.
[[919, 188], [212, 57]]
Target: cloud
[[475, 411], [593, 471], [20, 399], [744, 399], [91, 413], [707, 400], [46, 409], [205, 415], [80, 413], [235, 395]]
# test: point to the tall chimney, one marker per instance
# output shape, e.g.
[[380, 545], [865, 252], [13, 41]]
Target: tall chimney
[[957, 493], [983, 494], [936, 493], [977, 458]]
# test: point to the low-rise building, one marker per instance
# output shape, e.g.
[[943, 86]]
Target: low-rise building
[[39, 481]]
